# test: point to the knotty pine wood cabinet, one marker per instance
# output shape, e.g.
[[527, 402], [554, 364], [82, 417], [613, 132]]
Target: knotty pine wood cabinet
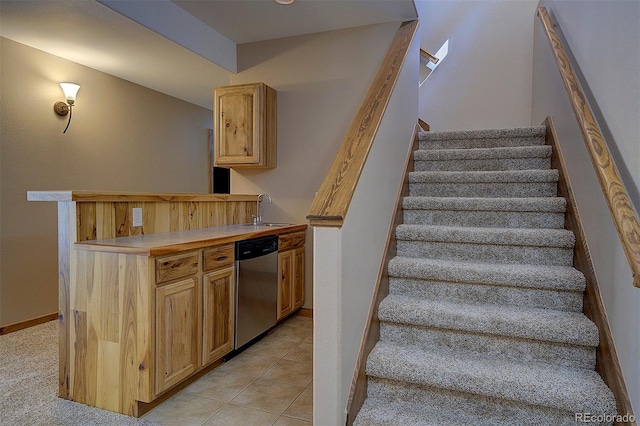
[[245, 124], [291, 258], [218, 314], [194, 312], [177, 332]]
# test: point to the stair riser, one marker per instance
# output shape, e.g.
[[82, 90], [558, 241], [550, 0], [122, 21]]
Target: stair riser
[[486, 253], [481, 411], [490, 346], [481, 143], [493, 189], [496, 164], [484, 219], [570, 301]]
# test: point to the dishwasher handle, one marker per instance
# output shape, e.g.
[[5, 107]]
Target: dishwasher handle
[[256, 247]]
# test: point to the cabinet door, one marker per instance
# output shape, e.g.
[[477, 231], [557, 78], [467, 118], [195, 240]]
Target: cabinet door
[[285, 281], [218, 314], [176, 332], [298, 278], [238, 127]]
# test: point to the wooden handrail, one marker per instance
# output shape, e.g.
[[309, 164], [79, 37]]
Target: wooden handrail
[[428, 56], [624, 217], [331, 203]]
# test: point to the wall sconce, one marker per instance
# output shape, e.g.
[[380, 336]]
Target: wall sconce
[[63, 108]]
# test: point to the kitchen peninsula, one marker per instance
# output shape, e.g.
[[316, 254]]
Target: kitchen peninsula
[[145, 309]]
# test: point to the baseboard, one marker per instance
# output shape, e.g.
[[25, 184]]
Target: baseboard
[[306, 312], [28, 323], [358, 391], [607, 364]]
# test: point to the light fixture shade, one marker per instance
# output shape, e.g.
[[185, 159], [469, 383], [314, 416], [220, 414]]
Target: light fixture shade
[[70, 91]]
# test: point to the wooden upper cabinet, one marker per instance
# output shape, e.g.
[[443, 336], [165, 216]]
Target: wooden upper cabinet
[[245, 126]]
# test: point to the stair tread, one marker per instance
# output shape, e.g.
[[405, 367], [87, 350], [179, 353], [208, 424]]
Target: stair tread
[[397, 411], [537, 151], [496, 236], [517, 132], [531, 204], [505, 176], [547, 325], [570, 389], [531, 276]]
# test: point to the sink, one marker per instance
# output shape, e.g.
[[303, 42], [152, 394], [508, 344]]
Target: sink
[[266, 224]]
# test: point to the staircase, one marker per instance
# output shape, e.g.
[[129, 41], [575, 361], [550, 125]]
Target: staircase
[[483, 323]]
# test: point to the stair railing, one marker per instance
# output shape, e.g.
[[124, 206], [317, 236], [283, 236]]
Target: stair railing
[[331, 203], [624, 217]]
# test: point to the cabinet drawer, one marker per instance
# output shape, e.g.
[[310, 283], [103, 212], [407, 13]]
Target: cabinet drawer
[[177, 266], [217, 257], [291, 241]]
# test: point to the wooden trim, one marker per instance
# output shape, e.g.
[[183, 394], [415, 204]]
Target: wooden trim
[[624, 216], [26, 324], [607, 364], [332, 201], [305, 312], [423, 125], [358, 391], [210, 159], [428, 56], [97, 196]]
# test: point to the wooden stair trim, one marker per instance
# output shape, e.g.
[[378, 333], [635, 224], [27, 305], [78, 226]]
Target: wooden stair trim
[[607, 364], [624, 216], [358, 390], [428, 56], [330, 206]]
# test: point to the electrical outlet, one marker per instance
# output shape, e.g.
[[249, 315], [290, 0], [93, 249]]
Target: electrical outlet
[[137, 216]]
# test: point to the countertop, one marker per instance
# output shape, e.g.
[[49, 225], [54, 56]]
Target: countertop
[[172, 242]]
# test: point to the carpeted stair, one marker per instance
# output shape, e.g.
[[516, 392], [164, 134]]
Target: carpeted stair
[[483, 323]]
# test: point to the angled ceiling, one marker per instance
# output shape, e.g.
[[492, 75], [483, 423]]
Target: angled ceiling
[[182, 48]]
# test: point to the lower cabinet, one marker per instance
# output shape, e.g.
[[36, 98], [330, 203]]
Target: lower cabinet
[[285, 284], [290, 273], [176, 332], [218, 305], [195, 317]]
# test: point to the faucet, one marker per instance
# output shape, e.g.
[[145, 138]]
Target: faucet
[[258, 218]]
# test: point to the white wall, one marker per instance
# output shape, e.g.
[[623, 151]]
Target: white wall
[[123, 137], [348, 260], [321, 80], [588, 26], [485, 81]]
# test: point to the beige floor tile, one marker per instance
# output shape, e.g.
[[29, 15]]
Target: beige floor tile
[[302, 352], [271, 346], [184, 409], [293, 372], [308, 339], [290, 421], [220, 385], [294, 334], [233, 415], [268, 396], [299, 321], [248, 364], [302, 407]]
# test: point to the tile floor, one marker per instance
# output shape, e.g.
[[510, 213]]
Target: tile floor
[[270, 383]]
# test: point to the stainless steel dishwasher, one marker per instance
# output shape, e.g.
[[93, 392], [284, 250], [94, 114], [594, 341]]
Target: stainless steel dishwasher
[[256, 287]]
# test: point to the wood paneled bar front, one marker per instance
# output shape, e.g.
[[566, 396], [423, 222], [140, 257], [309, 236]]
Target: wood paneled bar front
[[117, 375]]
